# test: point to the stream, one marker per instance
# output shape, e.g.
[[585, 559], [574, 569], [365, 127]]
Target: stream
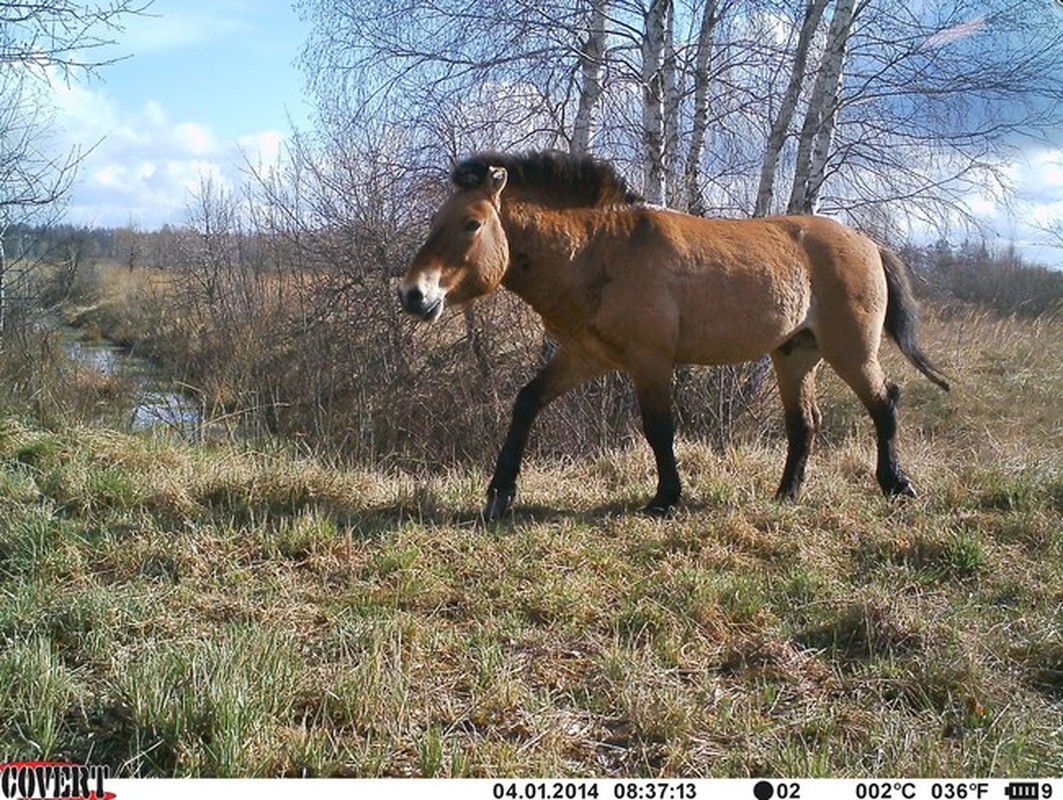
[[156, 404]]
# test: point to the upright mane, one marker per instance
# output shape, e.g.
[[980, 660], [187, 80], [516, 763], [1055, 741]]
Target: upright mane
[[550, 177]]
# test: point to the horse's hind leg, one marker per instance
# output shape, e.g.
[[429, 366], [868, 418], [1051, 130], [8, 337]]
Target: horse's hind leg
[[562, 373], [880, 397], [795, 369], [891, 478]]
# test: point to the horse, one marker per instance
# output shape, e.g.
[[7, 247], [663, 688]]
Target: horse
[[624, 285]]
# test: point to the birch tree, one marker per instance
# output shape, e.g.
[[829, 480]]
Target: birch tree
[[836, 107], [694, 199], [670, 83], [592, 61], [931, 103], [818, 128], [654, 47], [780, 126]]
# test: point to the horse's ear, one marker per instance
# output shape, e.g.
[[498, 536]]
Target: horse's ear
[[496, 181]]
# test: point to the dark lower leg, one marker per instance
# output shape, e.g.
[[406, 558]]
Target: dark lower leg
[[891, 478], [503, 486], [660, 433], [800, 432], [795, 368]]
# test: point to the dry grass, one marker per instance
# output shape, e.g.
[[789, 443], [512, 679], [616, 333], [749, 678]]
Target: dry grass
[[218, 611], [324, 358]]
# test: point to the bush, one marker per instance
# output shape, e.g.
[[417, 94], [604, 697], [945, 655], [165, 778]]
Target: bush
[[1002, 283]]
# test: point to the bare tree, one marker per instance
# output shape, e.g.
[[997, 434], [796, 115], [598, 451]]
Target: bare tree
[[928, 100], [40, 42], [33, 178], [592, 61], [455, 75], [62, 36], [654, 52], [694, 200], [818, 128], [780, 126], [672, 85]]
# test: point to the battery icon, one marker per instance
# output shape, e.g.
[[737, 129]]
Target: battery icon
[[1024, 790]]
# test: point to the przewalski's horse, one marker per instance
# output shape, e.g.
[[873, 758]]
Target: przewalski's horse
[[622, 285]]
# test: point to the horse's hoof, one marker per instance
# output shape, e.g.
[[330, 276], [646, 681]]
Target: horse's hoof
[[497, 505], [658, 510], [904, 489], [901, 487], [787, 494]]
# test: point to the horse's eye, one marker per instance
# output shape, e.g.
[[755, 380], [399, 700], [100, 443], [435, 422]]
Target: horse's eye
[[473, 225]]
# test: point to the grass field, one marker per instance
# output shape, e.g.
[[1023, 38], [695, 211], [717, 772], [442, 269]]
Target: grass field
[[208, 611]]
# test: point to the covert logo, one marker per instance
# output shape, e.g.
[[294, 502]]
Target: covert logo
[[52, 780]]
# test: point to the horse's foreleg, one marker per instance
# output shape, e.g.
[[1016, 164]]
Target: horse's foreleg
[[654, 390], [795, 370], [563, 373]]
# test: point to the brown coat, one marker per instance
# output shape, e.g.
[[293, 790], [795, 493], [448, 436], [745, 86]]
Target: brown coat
[[622, 285]]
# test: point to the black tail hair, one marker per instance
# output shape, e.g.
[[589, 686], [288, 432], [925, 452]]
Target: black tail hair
[[902, 316]]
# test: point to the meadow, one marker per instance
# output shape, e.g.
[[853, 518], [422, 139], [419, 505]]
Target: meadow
[[238, 609]]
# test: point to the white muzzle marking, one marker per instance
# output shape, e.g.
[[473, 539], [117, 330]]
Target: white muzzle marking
[[424, 298]]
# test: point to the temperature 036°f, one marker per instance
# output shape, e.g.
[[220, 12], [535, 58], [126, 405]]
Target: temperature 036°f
[[955, 790]]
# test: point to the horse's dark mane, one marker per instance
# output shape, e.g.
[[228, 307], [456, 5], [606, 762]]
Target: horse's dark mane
[[551, 177]]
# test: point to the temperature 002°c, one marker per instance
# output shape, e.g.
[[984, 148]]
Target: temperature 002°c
[[885, 790]]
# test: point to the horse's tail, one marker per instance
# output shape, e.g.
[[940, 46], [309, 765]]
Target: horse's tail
[[902, 318]]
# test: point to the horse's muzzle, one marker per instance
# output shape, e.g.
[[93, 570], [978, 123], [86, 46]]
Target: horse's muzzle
[[414, 301]]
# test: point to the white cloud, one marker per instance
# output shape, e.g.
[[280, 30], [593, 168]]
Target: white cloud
[[195, 138], [1033, 204], [1039, 188], [1043, 173], [955, 33], [143, 166], [262, 149]]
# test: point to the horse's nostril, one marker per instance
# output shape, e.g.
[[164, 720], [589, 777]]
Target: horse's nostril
[[414, 296], [411, 299]]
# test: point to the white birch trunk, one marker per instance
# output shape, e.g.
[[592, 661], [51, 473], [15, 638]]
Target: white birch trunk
[[592, 56], [781, 125], [653, 47], [818, 129], [694, 201], [672, 99]]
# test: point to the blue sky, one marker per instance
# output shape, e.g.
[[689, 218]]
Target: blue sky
[[212, 84], [207, 85]]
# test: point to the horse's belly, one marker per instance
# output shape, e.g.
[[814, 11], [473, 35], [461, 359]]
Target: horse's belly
[[722, 335], [739, 316], [724, 349]]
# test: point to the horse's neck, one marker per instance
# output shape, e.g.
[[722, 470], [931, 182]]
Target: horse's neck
[[544, 248]]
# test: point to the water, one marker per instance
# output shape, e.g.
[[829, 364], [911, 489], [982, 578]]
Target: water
[[156, 406]]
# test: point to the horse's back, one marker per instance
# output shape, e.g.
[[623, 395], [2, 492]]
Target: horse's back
[[735, 289], [742, 287]]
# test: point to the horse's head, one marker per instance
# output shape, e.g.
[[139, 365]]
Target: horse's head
[[466, 254]]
